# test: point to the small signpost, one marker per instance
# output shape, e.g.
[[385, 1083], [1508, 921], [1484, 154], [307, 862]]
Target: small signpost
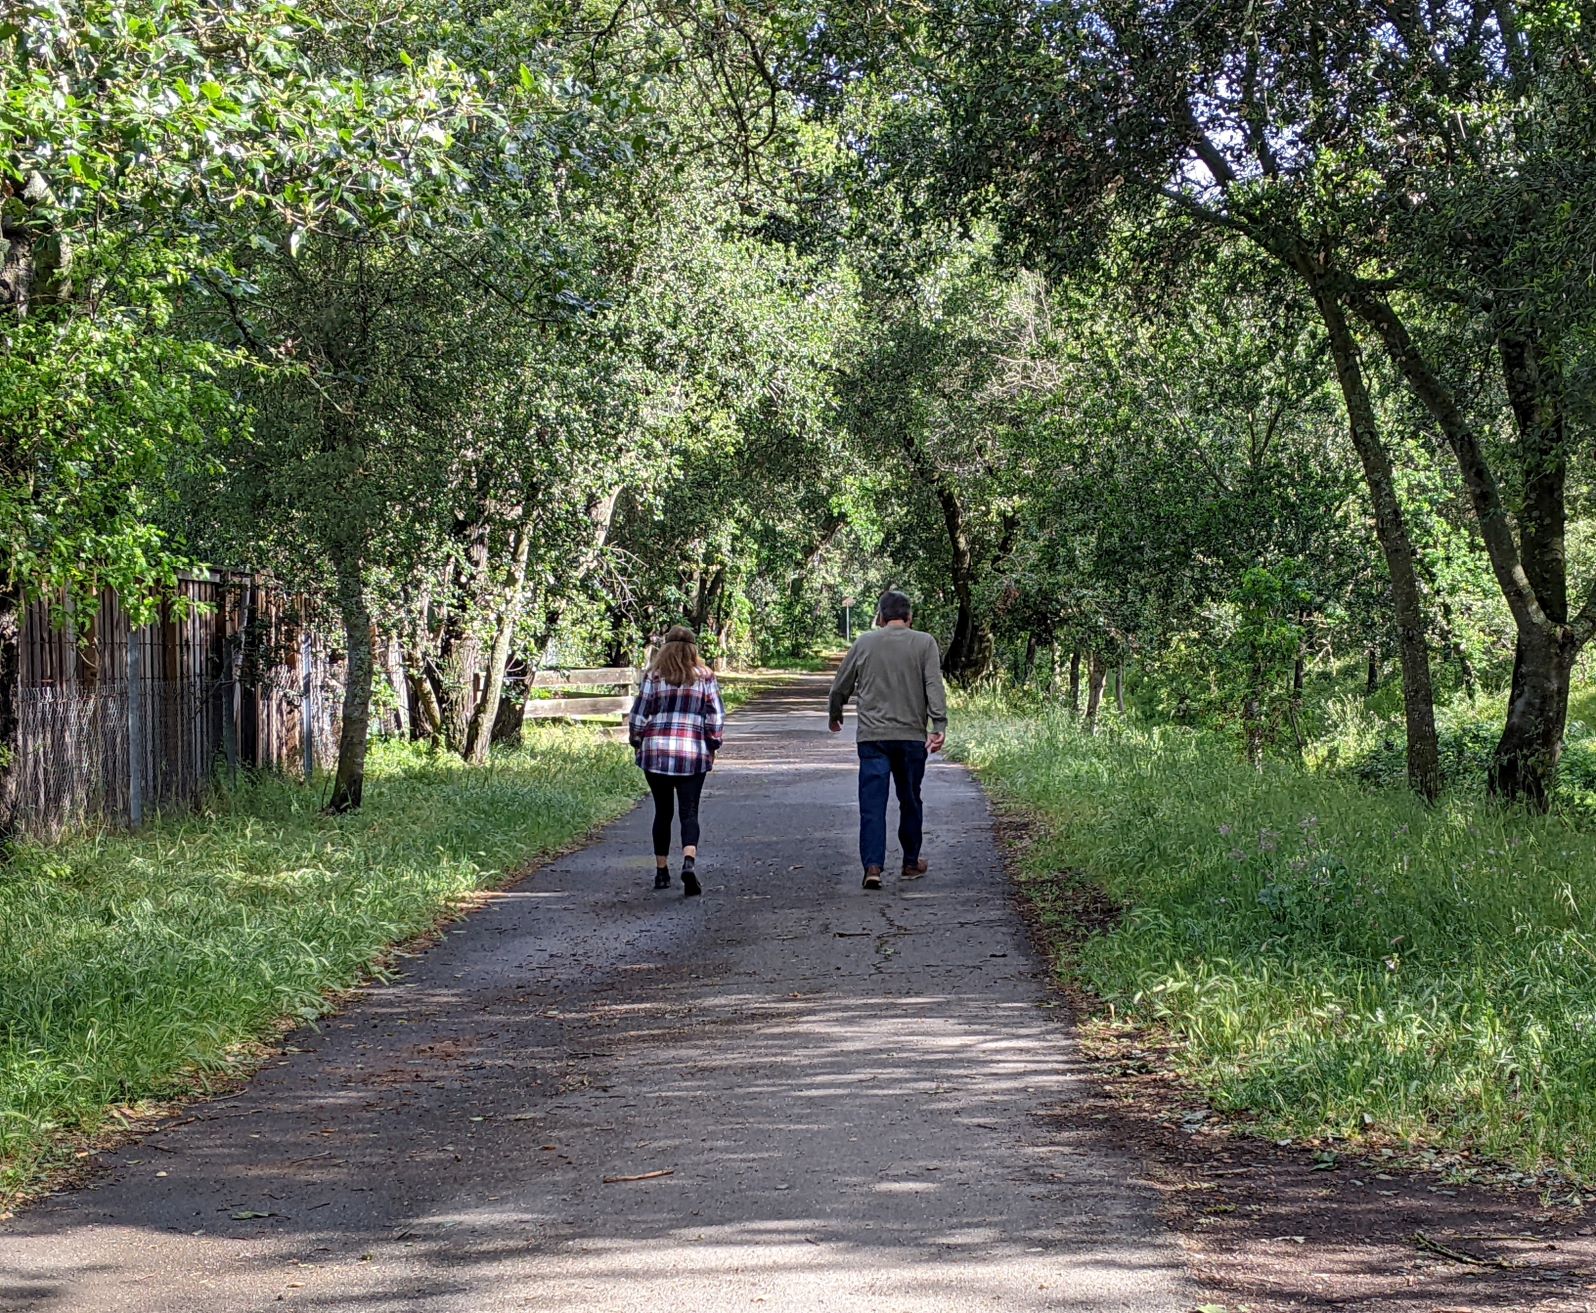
[[848, 603]]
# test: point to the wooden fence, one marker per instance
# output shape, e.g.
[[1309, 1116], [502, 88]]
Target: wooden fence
[[564, 681], [117, 722]]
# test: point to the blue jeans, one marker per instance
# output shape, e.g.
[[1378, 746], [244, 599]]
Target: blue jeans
[[903, 762]]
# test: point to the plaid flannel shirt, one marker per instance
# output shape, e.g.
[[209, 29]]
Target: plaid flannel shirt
[[677, 729]]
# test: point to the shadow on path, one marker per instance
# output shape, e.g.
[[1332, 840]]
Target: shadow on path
[[850, 1093]]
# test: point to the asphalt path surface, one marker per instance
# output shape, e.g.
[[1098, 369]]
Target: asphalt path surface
[[836, 1100]]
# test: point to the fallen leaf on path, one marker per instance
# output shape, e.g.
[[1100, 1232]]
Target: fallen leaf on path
[[249, 1214], [641, 1176]]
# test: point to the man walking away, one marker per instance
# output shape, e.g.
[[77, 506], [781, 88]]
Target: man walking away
[[896, 673]]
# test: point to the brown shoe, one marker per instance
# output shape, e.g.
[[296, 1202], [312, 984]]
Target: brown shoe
[[915, 869], [872, 878]]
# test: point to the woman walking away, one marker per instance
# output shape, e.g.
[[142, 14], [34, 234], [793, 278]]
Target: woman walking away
[[676, 726]]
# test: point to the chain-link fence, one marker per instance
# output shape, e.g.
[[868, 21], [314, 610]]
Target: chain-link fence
[[73, 760]]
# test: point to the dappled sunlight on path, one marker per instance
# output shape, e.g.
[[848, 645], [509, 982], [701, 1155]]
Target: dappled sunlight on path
[[816, 1098]]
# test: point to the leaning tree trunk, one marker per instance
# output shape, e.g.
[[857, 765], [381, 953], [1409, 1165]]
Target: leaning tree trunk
[[428, 719], [355, 733], [1097, 676], [10, 712], [969, 654], [1418, 697], [1531, 571]]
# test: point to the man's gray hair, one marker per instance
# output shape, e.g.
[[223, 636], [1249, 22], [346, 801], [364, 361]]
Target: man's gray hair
[[894, 606]]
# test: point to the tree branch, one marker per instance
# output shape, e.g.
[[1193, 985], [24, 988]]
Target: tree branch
[[1484, 493]]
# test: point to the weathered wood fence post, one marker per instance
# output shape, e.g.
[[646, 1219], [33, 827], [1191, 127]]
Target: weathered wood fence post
[[135, 726], [307, 710]]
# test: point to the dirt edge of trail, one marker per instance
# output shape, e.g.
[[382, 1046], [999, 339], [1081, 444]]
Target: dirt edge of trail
[[1278, 1228]]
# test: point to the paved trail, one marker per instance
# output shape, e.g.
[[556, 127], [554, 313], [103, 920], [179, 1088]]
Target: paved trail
[[850, 1090]]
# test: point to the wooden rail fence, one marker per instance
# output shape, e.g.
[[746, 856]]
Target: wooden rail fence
[[577, 707]]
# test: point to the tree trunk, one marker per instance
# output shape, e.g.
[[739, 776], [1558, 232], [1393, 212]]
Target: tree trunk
[[1075, 681], [1097, 676], [1119, 687], [1524, 765], [1028, 662], [1454, 645], [969, 654], [1371, 681], [479, 733], [1252, 723], [10, 713], [393, 660], [424, 698], [1418, 698], [508, 722], [1531, 570], [460, 650], [354, 735], [35, 255]]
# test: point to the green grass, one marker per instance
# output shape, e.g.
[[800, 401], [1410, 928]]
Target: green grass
[[1334, 960], [814, 664], [132, 966]]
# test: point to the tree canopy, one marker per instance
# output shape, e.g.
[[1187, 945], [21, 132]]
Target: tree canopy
[[1216, 347]]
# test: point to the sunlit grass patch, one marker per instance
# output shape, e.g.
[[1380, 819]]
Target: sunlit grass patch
[[1335, 959], [132, 965]]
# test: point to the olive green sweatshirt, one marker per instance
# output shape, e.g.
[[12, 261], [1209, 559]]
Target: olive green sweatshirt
[[896, 673]]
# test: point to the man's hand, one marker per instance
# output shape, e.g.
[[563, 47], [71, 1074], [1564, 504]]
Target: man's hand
[[936, 743], [836, 727]]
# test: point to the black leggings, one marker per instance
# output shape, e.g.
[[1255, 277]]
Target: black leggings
[[668, 790]]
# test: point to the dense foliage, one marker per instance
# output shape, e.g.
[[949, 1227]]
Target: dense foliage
[[1230, 352]]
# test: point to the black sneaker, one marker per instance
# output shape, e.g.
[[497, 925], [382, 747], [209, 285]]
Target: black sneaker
[[662, 879], [690, 885], [872, 878]]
